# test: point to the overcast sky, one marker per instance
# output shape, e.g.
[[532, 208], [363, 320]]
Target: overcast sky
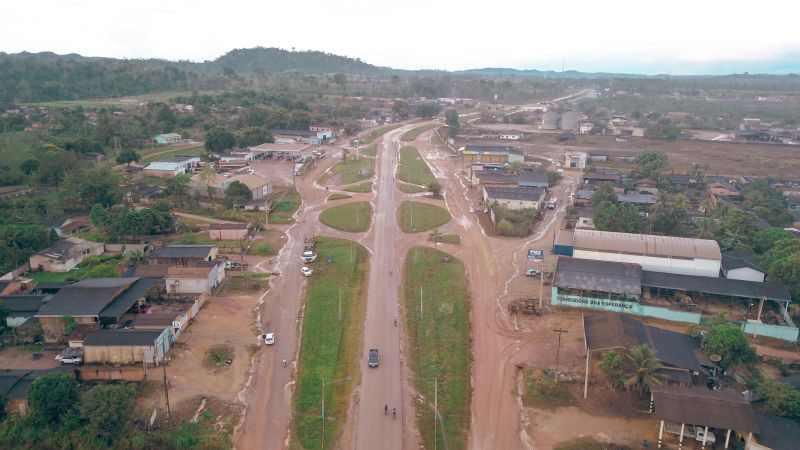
[[675, 36]]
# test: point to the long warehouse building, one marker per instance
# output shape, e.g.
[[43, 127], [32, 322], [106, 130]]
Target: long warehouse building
[[668, 254]]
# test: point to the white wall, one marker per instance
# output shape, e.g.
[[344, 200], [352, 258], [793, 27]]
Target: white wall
[[697, 267], [745, 273], [188, 286]]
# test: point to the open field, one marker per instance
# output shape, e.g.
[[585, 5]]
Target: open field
[[414, 133], [330, 347], [17, 146], [418, 216], [196, 150], [369, 151], [378, 132], [439, 342], [286, 203], [352, 217], [413, 169], [724, 158], [130, 100]]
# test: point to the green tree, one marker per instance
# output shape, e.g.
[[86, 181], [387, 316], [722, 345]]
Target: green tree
[[515, 168], [604, 192], [663, 129], [178, 187], [728, 341], [107, 411], [100, 216], [102, 271], [622, 217], [766, 202], [127, 157], [667, 215], [54, 165], [705, 228], [207, 177], [427, 110], [613, 365], [95, 185], [252, 136], [642, 369], [653, 164], [237, 193], [219, 139], [736, 231], [764, 240], [779, 398], [782, 263], [698, 172], [451, 119], [29, 166], [401, 108], [435, 189], [52, 396]]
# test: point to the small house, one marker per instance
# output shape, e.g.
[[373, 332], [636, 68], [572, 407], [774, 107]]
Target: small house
[[127, 346], [184, 255], [21, 308], [738, 265], [514, 197], [168, 139], [64, 255], [193, 280]]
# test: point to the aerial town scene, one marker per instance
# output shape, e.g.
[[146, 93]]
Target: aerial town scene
[[217, 231]]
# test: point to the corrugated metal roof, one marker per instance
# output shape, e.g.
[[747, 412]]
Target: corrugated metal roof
[[123, 302], [604, 276], [736, 260], [162, 165], [85, 298], [188, 272], [121, 338], [646, 244], [716, 286], [23, 303], [530, 194], [183, 251], [703, 407]]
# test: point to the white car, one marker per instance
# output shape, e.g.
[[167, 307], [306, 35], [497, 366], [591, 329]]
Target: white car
[[307, 271], [71, 360], [308, 256], [532, 273], [269, 338]]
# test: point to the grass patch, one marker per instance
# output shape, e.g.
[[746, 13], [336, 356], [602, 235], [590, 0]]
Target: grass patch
[[441, 342], [411, 188], [218, 356], [378, 132], [588, 443], [543, 391], [353, 170], [360, 187], [330, 349], [413, 169], [414, 133], [453, 239], [338, 197], [91, 235], [244, 284], [185, 151], [372, 150], [418, 216], [353, 217], [285, 204], [84, 270]]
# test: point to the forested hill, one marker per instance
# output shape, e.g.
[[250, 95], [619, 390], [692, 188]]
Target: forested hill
[[30, 77], [274, 60]]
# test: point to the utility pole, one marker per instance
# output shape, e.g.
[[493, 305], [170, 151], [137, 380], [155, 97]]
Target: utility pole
[[166, 391], [340, 304], [421, 313], [560, 331], [541, 286], [435, 410]]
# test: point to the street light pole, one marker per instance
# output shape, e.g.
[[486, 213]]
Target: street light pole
[[421, 312], [323, 405], [435, 407]]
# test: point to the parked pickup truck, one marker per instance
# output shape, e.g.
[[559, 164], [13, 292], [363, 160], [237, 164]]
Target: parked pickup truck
[[690, 432]]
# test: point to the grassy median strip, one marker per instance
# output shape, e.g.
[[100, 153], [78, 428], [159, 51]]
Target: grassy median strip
[[418, 216], [438, 343], [360, 187], [378, 132], [413, 168], [414, 133], [352, 217], [452, 239], [353, 170], [338, 196], [410, 188], [330, 347]]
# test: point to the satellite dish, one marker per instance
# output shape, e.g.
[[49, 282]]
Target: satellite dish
[[715, 358]]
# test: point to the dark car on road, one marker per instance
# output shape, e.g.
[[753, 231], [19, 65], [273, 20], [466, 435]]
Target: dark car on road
[[373, 357]]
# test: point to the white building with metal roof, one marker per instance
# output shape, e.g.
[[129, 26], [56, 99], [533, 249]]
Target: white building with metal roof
[[669, 254]]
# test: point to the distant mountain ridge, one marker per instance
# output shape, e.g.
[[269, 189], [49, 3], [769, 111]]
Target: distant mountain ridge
[[507, 71]]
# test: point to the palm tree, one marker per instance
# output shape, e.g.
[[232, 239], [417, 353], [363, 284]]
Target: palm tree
[[613, 365], [642, 368], [515, 168], [345, 152], [435, 236], [681, 202], [705, 228]]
